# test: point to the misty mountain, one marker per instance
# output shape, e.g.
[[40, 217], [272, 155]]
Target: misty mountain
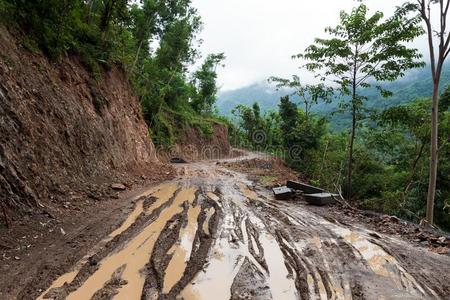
[[417, 84]]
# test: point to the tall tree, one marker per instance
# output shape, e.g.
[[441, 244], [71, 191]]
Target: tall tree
[[112, 9], [249, 119], [151, 19], [205, 82], [437, 59], [363, 49]]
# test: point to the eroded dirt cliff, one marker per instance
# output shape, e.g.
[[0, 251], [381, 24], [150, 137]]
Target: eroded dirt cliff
[[64, 132], [193, 145]]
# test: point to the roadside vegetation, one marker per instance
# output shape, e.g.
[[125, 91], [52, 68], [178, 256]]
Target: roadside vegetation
[[395, 160], [382, 161], [155, 41]]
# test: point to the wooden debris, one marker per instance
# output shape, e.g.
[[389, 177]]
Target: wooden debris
[[306, 188], [320, 199]]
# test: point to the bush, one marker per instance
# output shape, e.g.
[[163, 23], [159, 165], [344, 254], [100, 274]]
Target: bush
[[205, 128], [162, 132]]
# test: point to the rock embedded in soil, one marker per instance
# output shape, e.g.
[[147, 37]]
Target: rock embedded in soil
[[282, 193], [319, 199], [118, 186]]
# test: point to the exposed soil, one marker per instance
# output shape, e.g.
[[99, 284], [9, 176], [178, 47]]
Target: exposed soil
[[193, 145], [214, 234], [269, 171], [65, 135]]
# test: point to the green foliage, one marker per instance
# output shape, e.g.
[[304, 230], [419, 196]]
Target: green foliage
[[299, 129], [390, 172], [251, 123], [6, 9], [363, 48], [367, 45], [50, 23], [205, 82], [308, 94], [444, 102], [205, 128], [288, 132], [162, 131]]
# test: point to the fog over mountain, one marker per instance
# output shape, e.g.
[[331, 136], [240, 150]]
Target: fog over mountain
[[260, 36], [417, 84]]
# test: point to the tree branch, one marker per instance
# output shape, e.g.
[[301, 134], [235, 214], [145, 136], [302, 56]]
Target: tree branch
[[426, 17], [446, 54]]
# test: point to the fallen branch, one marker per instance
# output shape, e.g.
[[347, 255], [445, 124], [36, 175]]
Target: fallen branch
[[341, 199]]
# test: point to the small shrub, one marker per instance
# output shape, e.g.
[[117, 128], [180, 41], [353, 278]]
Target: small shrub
[[205, 128], [163, 133]]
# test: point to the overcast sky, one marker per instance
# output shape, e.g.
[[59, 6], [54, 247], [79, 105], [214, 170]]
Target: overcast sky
[[260, 36]]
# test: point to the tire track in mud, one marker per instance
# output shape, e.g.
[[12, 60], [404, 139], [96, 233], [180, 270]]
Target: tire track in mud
[[212, 233], [329, 253]]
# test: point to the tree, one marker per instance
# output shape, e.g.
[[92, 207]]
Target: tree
[[437, 60], [253, 124], [289, 117], [412, 119], [205, 82], [309, 94], [112, 9], [362, 49], [152, 18]]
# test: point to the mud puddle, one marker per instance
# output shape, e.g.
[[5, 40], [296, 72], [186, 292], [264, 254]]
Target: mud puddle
[[191, 243]]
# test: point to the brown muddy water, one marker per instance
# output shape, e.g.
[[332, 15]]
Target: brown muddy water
[[214, 235]]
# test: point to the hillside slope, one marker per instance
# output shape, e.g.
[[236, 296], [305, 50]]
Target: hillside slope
[[63, 131]]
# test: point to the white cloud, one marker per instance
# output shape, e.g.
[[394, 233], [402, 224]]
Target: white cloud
[[260, 36]]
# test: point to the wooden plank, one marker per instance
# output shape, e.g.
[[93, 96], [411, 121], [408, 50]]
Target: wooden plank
[[306, 188]]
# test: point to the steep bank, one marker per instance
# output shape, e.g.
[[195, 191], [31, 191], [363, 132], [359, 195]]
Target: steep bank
[[195, 145], [63, 132]]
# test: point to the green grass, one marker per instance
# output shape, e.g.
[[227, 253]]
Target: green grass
[[267, 179], [169, 125]]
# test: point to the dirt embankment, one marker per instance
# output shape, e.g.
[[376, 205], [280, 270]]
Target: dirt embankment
[[194, 145], [65, 134]]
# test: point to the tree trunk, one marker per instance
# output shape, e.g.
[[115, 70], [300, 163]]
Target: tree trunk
[[106, 16], [137, 56], [350, 154], [414, 169], [433, 154]]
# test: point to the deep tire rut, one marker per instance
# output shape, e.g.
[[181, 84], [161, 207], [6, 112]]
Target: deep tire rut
[[214, 235]]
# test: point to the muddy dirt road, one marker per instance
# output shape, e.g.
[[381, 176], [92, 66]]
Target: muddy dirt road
[[212, 234]]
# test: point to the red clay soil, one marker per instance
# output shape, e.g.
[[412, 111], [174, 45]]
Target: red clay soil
[[193, 145], [66, 137], [64, 134]]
